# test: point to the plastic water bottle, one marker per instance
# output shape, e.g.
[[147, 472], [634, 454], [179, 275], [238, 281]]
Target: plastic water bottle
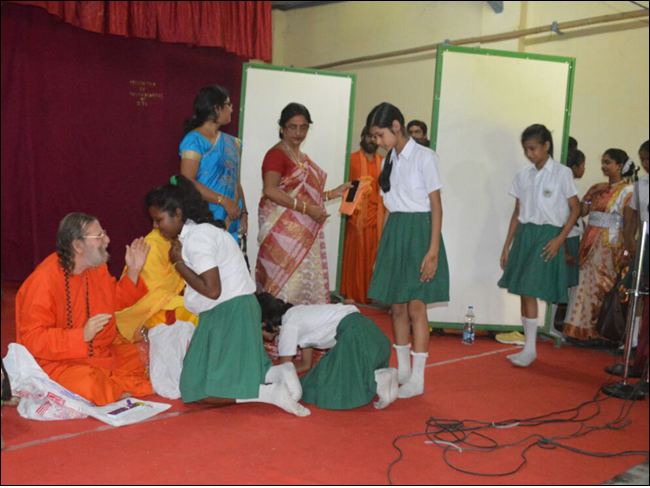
[[469, 331]]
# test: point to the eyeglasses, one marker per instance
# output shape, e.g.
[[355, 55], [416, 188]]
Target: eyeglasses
[[100, 236], [297, 128]]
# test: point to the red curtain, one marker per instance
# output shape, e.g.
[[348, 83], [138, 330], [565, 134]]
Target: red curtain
[[242, 28], [90, 123]]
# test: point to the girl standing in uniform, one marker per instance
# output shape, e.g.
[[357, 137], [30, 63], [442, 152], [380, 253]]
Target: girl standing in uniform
[[411, 269], [546, 210]]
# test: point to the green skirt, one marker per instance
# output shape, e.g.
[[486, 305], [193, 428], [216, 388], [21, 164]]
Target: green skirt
[[528, 274], [404, 243], [345, 377], [226, 358], [573, 270]]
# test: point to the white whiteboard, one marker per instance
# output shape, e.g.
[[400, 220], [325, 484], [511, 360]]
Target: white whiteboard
[[485, 103], [265, 92]]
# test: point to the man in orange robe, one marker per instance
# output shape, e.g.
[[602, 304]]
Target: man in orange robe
[[65, 314], [363, 228]]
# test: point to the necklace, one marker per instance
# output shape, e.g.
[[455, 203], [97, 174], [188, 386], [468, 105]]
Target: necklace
[[68, 305], [295, 159]]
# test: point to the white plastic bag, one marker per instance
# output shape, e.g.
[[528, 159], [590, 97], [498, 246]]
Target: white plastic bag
[[44, 399], [167, 348]]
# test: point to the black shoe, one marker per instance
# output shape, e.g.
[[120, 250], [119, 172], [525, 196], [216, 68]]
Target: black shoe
[[617, 370], [643, 387], [599, 344]]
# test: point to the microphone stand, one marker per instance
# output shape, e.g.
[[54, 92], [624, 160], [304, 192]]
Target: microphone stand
[[623, 389]]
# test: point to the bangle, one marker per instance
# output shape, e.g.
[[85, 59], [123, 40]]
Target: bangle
[[295, 202], [304, 207], [178, 262], [219, 199]]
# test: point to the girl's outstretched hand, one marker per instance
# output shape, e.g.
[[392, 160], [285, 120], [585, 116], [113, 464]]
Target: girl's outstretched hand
[[429, 267]]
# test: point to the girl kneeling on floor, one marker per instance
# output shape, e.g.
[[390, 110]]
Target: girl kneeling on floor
[[353, 372], [226, 362]]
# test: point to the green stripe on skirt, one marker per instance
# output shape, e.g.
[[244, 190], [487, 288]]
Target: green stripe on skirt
[[345, 377], [404, 243], [226, 358], [573, 270], [527, 273]]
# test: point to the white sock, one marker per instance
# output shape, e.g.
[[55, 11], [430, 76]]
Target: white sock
[[415, 385], [387, 387], [516, 355], [278, 394], [403, 363], [286, 372], [529, 354]]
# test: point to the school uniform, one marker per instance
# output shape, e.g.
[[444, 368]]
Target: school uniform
[[344, 378], [642, 202], [543, 212], [226, 358], [643, 197], [406, 237]]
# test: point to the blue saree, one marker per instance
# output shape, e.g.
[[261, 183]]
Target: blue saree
[[218, 169]]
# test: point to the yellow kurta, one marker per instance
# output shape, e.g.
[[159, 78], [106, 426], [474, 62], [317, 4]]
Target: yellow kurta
[[165, 288]]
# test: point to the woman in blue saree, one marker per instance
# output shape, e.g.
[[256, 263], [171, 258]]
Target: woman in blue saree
[[211, 159]]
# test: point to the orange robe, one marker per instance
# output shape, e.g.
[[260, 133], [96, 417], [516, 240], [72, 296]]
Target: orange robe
[[362, 231], [42, 327]]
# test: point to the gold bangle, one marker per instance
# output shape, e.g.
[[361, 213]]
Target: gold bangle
[[304, 207], [327, 196], [178, 262], [295, 203], [219, 199]]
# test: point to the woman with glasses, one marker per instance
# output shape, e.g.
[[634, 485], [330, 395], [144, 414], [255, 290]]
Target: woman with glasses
[[211, 159], [292, 259]]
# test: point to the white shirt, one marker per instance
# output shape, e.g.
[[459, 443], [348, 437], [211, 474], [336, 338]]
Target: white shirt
[[311, 326], [578, 229], [414, 176], [643, 196], [205, 247], [543, 194]]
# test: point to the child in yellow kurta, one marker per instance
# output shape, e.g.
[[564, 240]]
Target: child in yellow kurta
[[163, 304]]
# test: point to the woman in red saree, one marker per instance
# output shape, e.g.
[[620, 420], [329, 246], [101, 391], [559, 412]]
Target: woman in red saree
[[292, 259]]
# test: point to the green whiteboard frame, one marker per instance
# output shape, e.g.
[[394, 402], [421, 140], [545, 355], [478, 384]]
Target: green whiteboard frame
[[435, 120], [346, 173]]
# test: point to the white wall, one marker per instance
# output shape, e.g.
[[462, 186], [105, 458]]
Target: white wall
[[610, 103]]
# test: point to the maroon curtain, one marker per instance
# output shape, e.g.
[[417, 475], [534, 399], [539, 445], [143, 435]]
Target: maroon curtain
[[90, 123], [242, 28]]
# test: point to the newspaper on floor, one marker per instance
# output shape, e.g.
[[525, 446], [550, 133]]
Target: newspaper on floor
[[44, 399]]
